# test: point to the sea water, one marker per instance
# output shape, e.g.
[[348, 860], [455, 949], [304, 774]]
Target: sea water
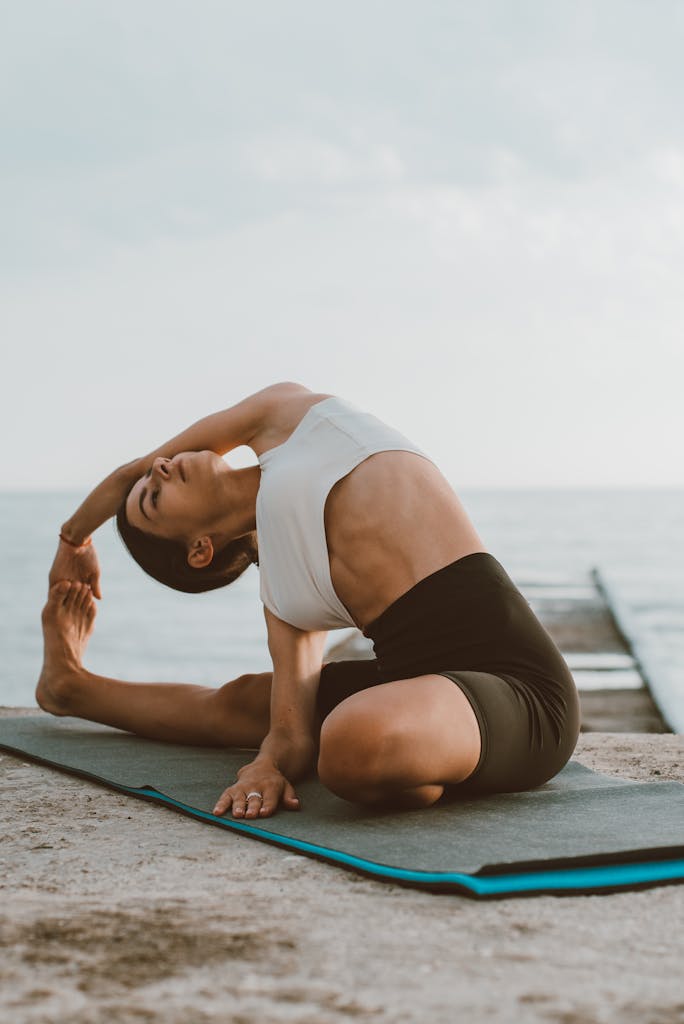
[[146, 632]]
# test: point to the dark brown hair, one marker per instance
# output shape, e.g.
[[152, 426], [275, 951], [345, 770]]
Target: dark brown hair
[[167, 560]]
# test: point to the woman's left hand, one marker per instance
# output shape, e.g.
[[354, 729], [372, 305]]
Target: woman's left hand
[[261, 777], [79, 564]]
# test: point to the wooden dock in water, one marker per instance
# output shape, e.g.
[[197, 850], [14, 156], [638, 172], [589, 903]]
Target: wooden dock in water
[[613, 689], [614, 693]]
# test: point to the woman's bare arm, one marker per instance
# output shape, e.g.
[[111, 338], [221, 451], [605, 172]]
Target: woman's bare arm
[[288, 752], [297, 657], [102, 502], [220, 432]]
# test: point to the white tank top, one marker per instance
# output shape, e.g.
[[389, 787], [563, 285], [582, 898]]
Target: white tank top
[[331, 439]]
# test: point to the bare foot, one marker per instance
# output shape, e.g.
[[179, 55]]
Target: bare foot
[[68, 621]]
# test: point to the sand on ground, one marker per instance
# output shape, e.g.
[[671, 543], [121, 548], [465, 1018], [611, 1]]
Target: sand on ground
[[117, 910]]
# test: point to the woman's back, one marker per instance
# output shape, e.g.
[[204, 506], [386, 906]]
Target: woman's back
[[350, 515], [390, 523]]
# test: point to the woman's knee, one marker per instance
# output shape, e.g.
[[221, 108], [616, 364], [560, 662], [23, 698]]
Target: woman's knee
[[355, 752]]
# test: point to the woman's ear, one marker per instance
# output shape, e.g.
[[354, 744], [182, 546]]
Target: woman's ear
[[201, 553]]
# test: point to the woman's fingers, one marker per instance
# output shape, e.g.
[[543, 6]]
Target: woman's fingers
[[93, 581], [263, 801], [290, 798], [80, 566], [239, 805], [235, 799], [257, 801], [224, 802], [273, 796], [89, 565], [270, 800]]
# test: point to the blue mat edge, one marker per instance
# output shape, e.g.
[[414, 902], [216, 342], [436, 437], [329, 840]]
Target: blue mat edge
[[596, 880], [615, 875]]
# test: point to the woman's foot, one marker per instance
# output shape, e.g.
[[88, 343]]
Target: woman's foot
[[68, 621]]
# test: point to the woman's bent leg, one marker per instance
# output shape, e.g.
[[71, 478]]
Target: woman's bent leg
[[236, 714], [400, 742]]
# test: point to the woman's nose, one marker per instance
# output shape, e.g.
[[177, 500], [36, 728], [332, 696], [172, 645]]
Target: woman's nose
[[160, 466]]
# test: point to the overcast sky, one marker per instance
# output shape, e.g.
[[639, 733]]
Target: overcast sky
[[467, 218]]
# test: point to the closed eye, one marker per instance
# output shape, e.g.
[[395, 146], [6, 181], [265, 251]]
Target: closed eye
[[153, 498]]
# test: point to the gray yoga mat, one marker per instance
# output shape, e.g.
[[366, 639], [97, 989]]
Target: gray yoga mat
[[582, 831]]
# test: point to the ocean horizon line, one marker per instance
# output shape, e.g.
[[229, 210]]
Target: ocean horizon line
[[517, 488]]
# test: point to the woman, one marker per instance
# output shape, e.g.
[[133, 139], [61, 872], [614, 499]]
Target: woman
[[355, 526]]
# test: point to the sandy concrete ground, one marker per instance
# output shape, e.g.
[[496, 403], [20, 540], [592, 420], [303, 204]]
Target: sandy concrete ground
[[116, 910]]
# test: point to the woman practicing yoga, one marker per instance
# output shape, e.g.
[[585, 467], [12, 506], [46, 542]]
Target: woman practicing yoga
[[351, 525]]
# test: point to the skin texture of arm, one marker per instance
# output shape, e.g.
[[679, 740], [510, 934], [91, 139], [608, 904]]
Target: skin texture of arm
[[297, 657], [289, 750], [219, 432]]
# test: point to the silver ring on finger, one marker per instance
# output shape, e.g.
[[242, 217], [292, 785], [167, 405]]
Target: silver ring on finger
[[255, 792]]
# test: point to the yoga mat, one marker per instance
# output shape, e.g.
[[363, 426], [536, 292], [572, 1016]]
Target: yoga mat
[[581, 832]]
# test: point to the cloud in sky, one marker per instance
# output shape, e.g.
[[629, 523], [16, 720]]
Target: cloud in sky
[[467, 218]]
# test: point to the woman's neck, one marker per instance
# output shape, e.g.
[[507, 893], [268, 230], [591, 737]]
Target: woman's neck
[[239, 507]]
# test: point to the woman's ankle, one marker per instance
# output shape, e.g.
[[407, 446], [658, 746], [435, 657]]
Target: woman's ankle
[[57, 690]]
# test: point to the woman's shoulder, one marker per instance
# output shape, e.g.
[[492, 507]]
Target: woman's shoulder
[[285, 406]]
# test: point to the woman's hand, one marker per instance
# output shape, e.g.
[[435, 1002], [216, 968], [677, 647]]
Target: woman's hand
[[262, 777], [80, 564]]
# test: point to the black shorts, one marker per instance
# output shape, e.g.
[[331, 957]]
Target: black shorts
[[469, 622]]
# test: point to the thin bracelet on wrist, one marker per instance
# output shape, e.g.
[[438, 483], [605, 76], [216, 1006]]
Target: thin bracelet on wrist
[[83, 544]]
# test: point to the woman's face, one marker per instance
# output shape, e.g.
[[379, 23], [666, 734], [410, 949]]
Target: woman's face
[[177, 497]]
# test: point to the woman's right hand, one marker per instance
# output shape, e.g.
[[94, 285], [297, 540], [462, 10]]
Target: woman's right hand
[[80, 564], [261, 778]]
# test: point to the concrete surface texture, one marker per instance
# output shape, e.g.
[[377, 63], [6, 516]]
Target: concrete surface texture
[[114, 909]]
